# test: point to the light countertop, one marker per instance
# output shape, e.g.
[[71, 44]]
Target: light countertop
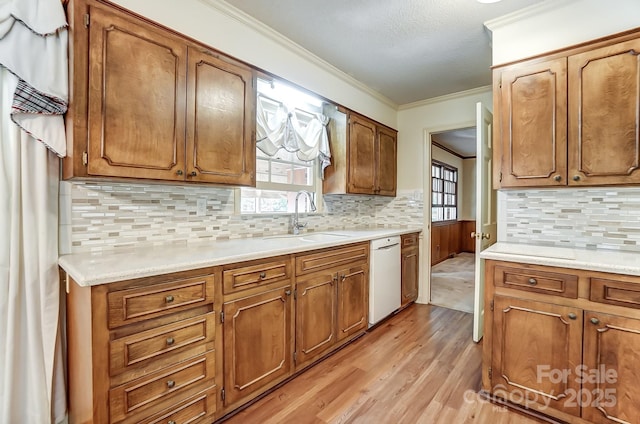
[[88, 269], [591, 260]]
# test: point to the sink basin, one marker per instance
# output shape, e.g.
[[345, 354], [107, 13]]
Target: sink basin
[[309, 237], [322, 237]]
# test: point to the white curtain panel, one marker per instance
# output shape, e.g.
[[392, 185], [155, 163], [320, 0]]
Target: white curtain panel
[[283, 131], [29, 283]]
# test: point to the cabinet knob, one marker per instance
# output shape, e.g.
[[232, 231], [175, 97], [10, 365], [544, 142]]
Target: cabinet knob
[[288, 292], [343, 277], [179, 172], [171, 422], [263, 275], [168, 299], [170, 341], [193, 173], [571, 315], [558, 178], [171, 384], [532, 281], [595, 321], [576, 178]]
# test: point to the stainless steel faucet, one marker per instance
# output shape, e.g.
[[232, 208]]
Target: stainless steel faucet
[[296, 225]]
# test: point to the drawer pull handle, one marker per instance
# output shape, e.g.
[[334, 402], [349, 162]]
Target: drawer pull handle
[[168, 299], [263, 275], [171, 384], [170, 341], [595, 321], [532, 281], [571, 315]]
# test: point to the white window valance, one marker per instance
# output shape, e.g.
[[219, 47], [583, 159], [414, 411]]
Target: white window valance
[[282, 130]]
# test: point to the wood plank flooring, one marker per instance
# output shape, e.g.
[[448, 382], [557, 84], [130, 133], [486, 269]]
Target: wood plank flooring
[[419, 366]]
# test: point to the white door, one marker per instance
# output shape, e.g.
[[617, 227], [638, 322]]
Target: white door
[[486, 227]]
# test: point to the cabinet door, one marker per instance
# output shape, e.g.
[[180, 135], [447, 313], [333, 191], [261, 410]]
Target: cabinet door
[[533, 123], [604, 99], [387, 162], [137, 80], [257, 342], [611, 358], [536, 349], [409, 276], [361, 169], [316, 311], [353, 300], [220, 121]]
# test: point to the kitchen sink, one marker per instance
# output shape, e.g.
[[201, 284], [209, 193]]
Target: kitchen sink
[[309, 237]]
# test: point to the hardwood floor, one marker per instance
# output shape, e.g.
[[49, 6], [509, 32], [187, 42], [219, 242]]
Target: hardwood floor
[[452, 282], [419, 366]]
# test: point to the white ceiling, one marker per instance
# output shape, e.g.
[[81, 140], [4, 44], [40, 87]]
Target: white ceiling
[[461, 141], [407, 50]]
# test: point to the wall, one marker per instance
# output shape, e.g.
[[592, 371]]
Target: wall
[[556, 24], [229, 30], [438, 114], [468, 211], [587, 218]]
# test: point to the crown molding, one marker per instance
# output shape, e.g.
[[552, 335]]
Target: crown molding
[[527, 12], [249, 21], [474, 91]]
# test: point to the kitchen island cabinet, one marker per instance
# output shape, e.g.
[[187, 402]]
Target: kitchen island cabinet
[[570, 118]]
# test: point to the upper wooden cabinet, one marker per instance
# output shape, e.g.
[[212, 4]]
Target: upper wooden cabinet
[[534, 124], [139, 116], [363, 156], [604, 99], [220, 120], [570, 118]]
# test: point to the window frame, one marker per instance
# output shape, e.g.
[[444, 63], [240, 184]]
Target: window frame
[[444, 166]]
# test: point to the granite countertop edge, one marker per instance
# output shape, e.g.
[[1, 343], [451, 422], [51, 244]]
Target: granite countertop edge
[[95, 268]]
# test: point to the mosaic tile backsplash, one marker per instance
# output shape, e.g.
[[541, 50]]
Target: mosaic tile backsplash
[[105, 216], [594, 218]]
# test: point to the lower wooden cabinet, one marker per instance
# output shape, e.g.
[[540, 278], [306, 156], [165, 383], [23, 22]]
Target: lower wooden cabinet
[[332, 300], [409, 264], [353, 300], [570, 353], [532, 341], [316, 315], [144, 350], [611, 346], [257, 342]]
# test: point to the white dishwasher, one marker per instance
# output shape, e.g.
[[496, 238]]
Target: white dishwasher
[[384, 278]]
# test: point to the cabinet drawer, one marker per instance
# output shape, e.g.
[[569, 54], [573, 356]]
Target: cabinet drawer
[[554, 283], [256, 274], [190, 411], [137, 304], [332, 258], [163, 345], [409, 241], [613, 292], [162, 388]]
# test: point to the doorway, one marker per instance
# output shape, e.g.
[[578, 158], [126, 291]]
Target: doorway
[[453, 193]]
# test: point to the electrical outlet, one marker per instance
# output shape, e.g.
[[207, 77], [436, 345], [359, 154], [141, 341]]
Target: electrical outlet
[[201, 209]]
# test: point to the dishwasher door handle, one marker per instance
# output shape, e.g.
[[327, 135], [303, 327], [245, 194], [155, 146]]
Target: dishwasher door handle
[[387, 247]]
